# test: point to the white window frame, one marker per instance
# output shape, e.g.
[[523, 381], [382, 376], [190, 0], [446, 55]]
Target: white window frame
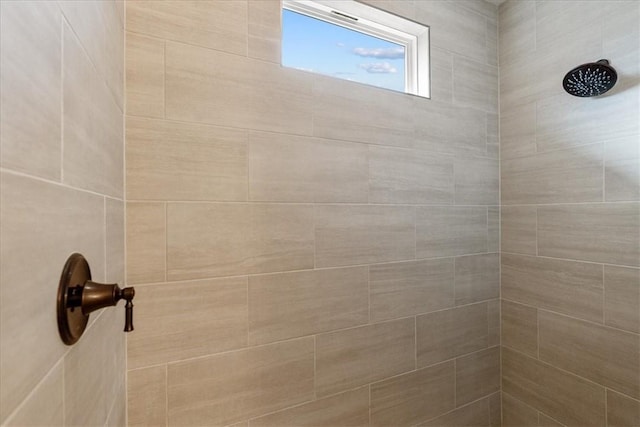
[[368, 20]]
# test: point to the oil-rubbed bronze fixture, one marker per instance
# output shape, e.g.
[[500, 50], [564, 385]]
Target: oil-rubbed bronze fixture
[[78, 296]]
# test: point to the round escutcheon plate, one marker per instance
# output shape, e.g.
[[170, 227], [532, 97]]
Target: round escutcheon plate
[[71, 320]]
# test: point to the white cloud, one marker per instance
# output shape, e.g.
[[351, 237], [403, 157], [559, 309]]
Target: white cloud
[[380, 53], [379, 68]]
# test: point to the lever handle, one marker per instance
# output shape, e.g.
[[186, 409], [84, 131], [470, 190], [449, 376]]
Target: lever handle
[[78, 296]]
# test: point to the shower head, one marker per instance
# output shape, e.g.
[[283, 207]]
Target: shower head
[[592, 79]]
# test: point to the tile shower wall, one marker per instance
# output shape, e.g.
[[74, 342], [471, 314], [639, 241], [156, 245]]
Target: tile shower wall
[[570, 216], [308, 250], [62, 169]]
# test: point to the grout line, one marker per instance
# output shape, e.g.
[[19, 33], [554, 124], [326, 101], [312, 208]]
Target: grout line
[[579, 261], [166, 241]]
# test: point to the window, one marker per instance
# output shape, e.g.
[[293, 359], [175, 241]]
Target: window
[[353, 41]]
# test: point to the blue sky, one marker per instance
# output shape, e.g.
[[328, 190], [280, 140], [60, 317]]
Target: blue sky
[[314, 45]]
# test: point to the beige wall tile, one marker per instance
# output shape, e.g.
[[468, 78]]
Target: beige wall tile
[[441, 75], [493, 319], [520, 327], [518, 129], [345, 409], [145, 76], [92, 131], [495, 409], [517, 29], [409, 176], [517, 414], [405, 9], [355, 112], [147, 396], [568, 398], [446, 334], [146, 242], [567, 287], [477, 375], [247, 93], [288, 168], [184, 320], [180, 161], [565, 176], [545, 421], [400, 401], [347, 235], [476, 414], [264, 29], [621, 410], [115, 241], [225, 388], [493, 229], [217, 25], [408, 288], [491, 42], [493, 135], [30, 84], [454, 28], [477, 181], [475, 84], [554, 20], [446, 128], [215, 239], [477, 278], [106, 47], [354, 357], [518, 229], [605, 355], [608, 233], [45, 406], [43, 222], [622, 298], [287, 305], [622, 169], [449, 231]]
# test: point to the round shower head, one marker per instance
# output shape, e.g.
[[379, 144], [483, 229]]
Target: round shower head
[[592, 79]]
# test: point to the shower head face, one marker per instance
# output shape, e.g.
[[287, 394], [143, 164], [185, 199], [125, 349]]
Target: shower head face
[[592, 79]]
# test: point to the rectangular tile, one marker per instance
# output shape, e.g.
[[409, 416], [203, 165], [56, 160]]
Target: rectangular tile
[[230, 387], [210, 239], [545, 421], [493, 229], [180, 161], [446, 334], [518, 229], [520, 327], [354, 357], [568, 287], [477, 181], [622, 411], [607, 233], [216, 25], [347, 235], [622, 169], [400, 401], [477, 278], [475, 414], [355, 112], [517, 29], [493, 136], [622, 298], [287, 305], [441, 75], [146, 242], [288, 168], [450, 128], [345, 409], [245, 93], [147, 396], [449, 231], [605, 355], [475, 84], [493, 320], [31, 92], [477, 375], [114, 241], [185, 320], [263, 34], [409, 288], [565, 176], [568, 398], [97, 166], [409, 176], [517, 414], [518, 131], [44, 222], [145, 76]]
